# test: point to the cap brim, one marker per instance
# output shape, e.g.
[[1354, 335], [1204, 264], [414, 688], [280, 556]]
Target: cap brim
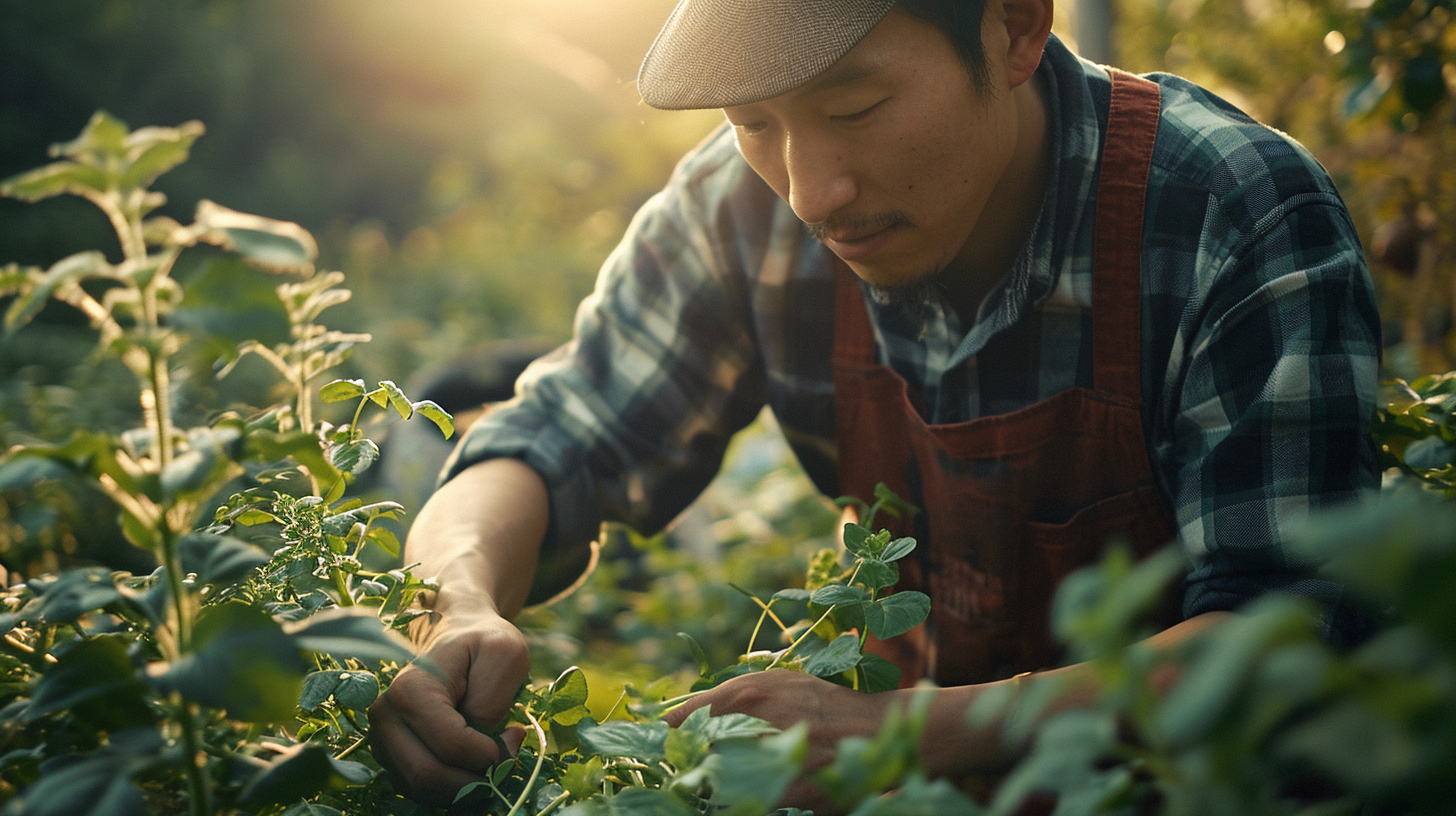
[[721, 53]]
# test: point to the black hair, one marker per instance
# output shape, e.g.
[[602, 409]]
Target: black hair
[[960, 21]]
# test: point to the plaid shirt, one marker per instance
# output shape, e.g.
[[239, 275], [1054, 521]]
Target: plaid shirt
[[1260, 340]]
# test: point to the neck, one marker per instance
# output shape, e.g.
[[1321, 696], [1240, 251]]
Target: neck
[[1006, 223]]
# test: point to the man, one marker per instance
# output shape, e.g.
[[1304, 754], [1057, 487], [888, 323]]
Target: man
[[1045, 301]]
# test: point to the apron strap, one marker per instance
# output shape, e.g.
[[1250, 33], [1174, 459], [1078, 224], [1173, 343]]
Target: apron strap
[[1127, 156]]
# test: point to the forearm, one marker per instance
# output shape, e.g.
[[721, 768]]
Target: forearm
[[951, 747], [480, 536]]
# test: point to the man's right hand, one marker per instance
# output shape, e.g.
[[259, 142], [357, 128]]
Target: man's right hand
[[432, 727]]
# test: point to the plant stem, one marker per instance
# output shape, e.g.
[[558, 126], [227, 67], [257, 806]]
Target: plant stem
[[199, 791], [540, 760], [341, 583]]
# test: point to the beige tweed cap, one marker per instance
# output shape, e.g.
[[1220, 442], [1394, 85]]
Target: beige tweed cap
[[719, 53]]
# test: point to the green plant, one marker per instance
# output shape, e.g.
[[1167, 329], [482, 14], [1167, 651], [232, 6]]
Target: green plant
[[135, 693]]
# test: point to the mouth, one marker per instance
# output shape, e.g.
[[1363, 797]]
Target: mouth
[[853, 242]]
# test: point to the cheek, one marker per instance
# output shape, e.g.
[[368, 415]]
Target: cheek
[[768, 163]]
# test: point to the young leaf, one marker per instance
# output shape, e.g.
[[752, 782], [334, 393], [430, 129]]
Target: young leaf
[[879, 674], [856, 538], [897, 549], [434, 413], [397, 399], [877, 574], [567, 695], [896, 614], [704, 668], [276, 246], [341, 390]]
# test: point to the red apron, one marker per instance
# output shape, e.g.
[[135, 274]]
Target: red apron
[[1013, 503]]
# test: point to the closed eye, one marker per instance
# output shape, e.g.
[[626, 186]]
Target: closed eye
[[858, 115]]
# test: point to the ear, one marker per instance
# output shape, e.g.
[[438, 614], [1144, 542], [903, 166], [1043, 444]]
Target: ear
[[1028, 24]]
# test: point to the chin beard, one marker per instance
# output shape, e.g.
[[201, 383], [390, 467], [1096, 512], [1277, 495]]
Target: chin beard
[[918, 293]]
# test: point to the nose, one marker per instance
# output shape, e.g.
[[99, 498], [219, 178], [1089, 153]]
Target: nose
[[821, 181]]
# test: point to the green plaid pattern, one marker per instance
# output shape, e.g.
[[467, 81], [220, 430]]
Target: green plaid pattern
[[1260, 340]]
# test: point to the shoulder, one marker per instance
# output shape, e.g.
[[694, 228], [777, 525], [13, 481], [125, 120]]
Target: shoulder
[[1250, 173]]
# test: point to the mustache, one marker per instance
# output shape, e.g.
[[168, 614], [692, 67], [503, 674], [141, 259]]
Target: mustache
[[857, 224]]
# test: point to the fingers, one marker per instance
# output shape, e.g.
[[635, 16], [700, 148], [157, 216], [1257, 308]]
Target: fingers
[[427, 727]]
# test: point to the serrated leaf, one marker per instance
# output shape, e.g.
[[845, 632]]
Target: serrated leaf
[[66, 272], [736, 726], [340, 523], [896, 614], [842, 654], [434, 413], [54, 179], [341, 390]]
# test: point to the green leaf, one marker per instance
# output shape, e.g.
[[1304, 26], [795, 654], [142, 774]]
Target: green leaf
[[73, 594], [27, 471], [792, 595], [242, 662], [686, 745], [219, 559], [749, 776], [1361, 747], [99, 784], [879, 674], [354, 457], [434, 413], [567, 698], [835, 594], [704, 667], [385, 539], [736, 726], [341, 390], [1064, 758], [300, 771], [583, 779], [341, 633], [63, 273], [152, 151], [897, 549], [93, 678], [842, 654], [311, 809], [856, 537], [277, 246], [919, 797], [339, 524], [896, 614], [350, 689], [397, 399], [617, 738], [54, 179], [632, 802], [877, 574]]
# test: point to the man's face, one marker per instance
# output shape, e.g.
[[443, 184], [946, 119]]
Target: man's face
[[890, 155]]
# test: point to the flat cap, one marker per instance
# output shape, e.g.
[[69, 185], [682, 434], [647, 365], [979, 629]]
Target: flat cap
[[720, 53]]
